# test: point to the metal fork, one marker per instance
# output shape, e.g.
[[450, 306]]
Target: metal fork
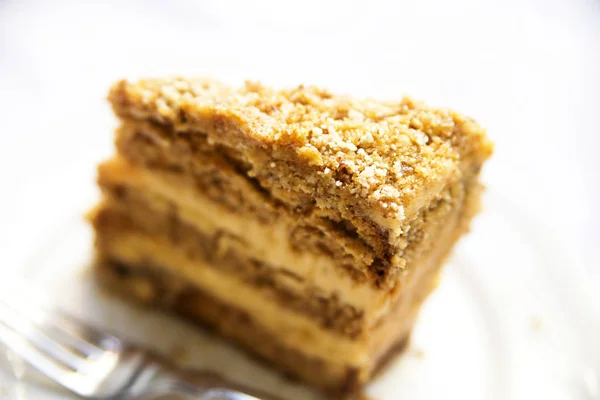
[[94, 364]]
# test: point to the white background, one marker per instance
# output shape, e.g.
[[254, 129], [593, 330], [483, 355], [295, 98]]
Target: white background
[[528, 70]]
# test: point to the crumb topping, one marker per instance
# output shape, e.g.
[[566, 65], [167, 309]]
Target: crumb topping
[[386, 151]]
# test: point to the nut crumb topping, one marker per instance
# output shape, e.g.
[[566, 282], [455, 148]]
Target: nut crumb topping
[[388, 153]]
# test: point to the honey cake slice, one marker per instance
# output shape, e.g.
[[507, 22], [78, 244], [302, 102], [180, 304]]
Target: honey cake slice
[[308, 227]]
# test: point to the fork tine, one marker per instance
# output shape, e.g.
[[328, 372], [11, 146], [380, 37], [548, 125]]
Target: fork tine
[[36, 336], [54, 370], [82, 338], [61, 328], [31, 354]]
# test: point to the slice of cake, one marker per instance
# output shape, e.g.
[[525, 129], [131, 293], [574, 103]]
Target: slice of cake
[[306, 226]]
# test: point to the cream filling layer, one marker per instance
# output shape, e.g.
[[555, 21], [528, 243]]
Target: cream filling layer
[[293, 329], [267, 243]]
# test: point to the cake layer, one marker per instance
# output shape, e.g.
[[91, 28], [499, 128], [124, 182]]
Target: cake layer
[[137, 250], [222, 178], [164, 274], [152, 288], [212, 171], [170, 193], [161, 202], [228, 254], [371, 165], [133, 247], [291, 347]]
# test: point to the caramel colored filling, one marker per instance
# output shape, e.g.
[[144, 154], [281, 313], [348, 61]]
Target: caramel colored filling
[[170, 196]]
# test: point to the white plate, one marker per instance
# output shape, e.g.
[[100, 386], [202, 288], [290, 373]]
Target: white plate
[[510, 320]]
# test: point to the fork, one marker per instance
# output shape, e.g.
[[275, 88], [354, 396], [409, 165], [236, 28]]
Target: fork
[[97, 365]]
